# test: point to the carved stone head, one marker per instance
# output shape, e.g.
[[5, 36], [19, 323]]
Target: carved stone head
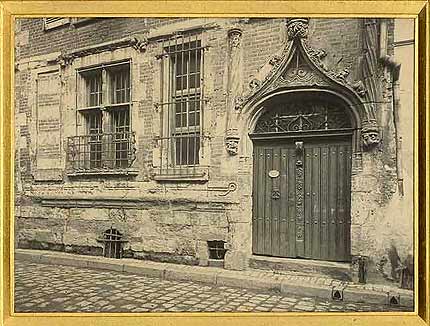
[[232, 142], [234, 35], [370, 137], [232, 145]]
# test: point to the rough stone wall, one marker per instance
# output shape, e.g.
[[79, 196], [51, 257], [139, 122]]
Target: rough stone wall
[[161, 226], [164, 231]]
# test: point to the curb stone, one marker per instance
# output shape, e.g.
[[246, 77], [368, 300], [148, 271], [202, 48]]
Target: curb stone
[[250, 279]]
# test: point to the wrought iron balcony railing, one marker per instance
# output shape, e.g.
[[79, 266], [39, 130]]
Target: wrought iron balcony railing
[[179, 155], [102, 152]]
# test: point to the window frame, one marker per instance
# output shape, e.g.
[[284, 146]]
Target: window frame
[[167, 166], [109, 138]]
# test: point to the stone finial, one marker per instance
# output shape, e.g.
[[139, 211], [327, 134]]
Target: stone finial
[[297, 28], [234, 36]]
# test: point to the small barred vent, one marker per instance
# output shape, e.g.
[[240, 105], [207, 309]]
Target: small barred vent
[[216, 249], [112, 240]]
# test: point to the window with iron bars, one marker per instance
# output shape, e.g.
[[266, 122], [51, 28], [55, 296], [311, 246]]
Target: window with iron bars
[[106, 141], [182, 105]]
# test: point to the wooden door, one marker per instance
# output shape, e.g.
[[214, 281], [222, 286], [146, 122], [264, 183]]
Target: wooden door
[[301, 198]]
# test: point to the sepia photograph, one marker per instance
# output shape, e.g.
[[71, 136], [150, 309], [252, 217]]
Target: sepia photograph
[[203, 164]]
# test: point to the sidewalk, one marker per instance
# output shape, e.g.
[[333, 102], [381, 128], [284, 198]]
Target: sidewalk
[[312, 286]]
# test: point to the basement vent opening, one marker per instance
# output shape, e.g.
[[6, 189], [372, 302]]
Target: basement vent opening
[[113, 241], [216, 250]]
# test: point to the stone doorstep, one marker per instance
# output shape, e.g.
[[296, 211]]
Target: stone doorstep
[[251, 279]]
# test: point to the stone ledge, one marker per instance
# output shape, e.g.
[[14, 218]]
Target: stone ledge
[[289, 287], [235, 280]]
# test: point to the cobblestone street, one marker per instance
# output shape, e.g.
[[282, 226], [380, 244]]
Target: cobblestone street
[[55, 288]]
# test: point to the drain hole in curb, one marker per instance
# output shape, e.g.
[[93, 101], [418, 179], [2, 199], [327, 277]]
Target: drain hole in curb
[[337, 295], [394, 300]]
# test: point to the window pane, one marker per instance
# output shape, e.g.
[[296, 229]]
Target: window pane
[[187, 150], [194, 80], [194, 111], [94, 88], [120, 84], [94, 129], [195, 61], [121, 128], [181, 83]]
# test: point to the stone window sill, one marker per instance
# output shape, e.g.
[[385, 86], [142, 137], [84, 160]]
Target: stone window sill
[[199, 174], [89, 173]]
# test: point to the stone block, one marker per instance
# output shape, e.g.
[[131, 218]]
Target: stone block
[[308, 290], [352, 294], [194, 275], [206, 233], [66, 261], [181, 218], [150, 271], [28, 256], [236, 260], [237, 280], [107, 265], [100, 214]]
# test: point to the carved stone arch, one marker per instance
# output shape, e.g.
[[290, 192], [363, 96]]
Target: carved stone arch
[[301, 68]]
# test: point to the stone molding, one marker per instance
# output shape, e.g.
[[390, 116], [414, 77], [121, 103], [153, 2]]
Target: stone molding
[[139, 43], [126, 202]]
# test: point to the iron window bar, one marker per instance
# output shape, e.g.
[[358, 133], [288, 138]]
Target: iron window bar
[[101, 151], [216, 249], [112, 243], [182, 94]]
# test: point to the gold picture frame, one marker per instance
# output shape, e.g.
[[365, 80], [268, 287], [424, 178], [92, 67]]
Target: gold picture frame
[[419, 10]]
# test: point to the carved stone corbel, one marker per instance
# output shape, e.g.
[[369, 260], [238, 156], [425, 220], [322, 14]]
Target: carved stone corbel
[[370, 134], [65, 60], [234, 36], [232, 142], [140, 44]]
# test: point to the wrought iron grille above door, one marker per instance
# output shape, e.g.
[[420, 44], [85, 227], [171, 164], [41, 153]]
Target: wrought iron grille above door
[[304, 116]]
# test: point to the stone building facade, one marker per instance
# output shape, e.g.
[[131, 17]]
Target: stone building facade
[[204, 140]]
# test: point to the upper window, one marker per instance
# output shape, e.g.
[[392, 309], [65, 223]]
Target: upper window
[[182, 105], [53, 22], [104, 100], [105, 86]]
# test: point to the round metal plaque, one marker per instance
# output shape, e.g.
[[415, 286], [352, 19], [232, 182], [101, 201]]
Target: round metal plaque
[[273, 173]]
